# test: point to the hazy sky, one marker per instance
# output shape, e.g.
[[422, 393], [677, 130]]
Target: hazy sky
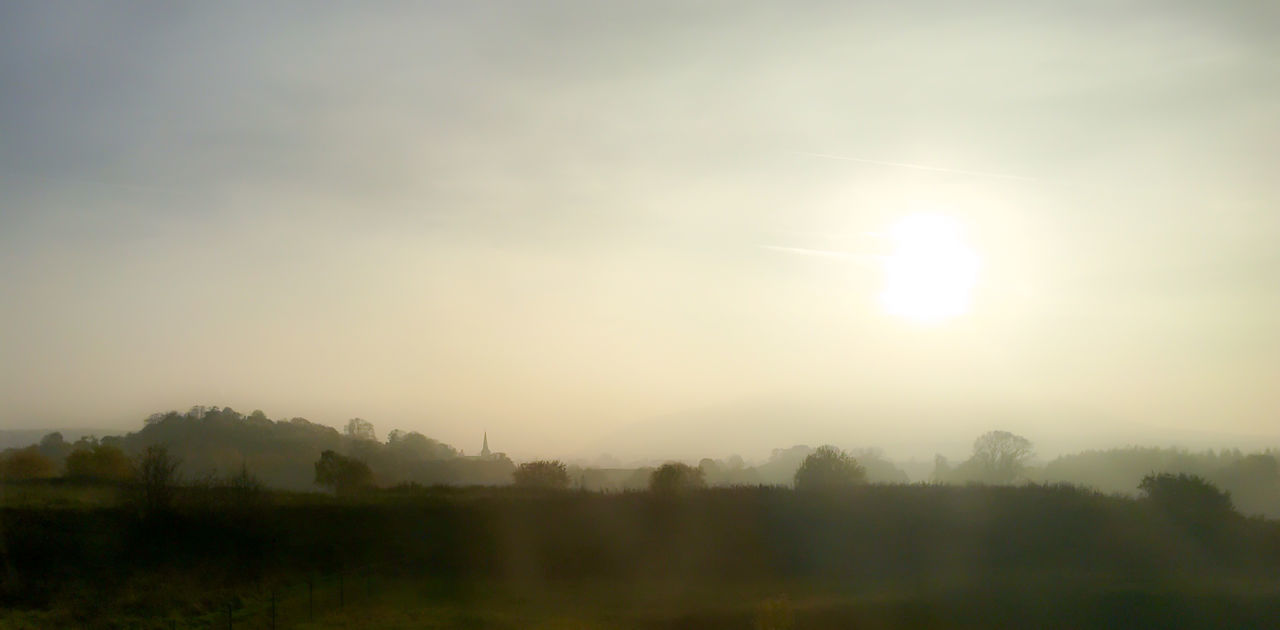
[[587, 226]]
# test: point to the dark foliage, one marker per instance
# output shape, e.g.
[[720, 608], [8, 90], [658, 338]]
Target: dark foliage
[[543, 474], [828, 469], [216, 442], [157, 480], [1188, 500], [99, 462], [344, 475], [881, 535], [27, 463], [675, 478]]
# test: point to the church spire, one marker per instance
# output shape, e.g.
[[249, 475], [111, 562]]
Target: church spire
[[484, 451]]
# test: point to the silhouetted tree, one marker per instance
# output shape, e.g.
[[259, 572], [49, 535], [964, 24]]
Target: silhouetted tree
[[343, 474], [710, 470], [542, 474], [1186, 498], [245, 490], [675, 478], [783, 464], [941, 469], [419, 446], [157, 477], [878, 468], [829, 468], [361, 429], [999, 457], [54, 447]]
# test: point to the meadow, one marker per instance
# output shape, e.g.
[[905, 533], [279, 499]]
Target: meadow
[[881, 556]]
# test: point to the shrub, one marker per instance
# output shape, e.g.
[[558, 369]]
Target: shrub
[[674, 478], [542, 474], [1186, 498], [829, 468], [344, 475]]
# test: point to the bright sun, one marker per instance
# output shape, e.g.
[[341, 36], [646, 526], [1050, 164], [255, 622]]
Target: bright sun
[[930, 273]]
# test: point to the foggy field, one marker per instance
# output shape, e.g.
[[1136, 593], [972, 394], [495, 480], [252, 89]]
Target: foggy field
[[882, 556]]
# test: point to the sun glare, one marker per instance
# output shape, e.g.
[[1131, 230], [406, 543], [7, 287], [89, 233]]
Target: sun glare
[[930, 273]]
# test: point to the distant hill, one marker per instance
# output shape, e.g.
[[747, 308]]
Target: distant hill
[[213, 442], [18, 438]]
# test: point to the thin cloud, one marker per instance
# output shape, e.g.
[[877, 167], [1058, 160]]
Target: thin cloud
[[921, 167], [821, 253]]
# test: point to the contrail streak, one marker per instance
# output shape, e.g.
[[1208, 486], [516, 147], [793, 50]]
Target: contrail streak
[[920, 167], [821, 253], [824, 253]]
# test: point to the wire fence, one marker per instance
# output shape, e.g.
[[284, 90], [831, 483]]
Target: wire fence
[[285, 605]]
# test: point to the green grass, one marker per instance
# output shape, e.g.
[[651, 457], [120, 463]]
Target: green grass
[[1039, 601], [877, 557], [58, 494]]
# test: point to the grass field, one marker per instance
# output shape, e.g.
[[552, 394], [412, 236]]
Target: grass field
[[910, 557], [1033, 601]]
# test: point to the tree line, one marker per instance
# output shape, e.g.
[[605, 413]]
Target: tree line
[[215, 443]]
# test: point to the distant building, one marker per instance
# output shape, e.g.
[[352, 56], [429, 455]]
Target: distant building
[[485, 453]]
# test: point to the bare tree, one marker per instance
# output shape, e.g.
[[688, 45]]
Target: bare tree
[[157, 477], [1000, 456], [361, 429]]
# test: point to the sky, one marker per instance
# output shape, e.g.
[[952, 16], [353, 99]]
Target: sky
[[657, 230]]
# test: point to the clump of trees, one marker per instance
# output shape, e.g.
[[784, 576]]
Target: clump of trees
[[27, 463], [1186, 498], [342, 474], [1253, 479], [217, 441], [828, 469], [95, 461], [542, 474], [999, 457], [675, 478], [731, 471], [781, 467]]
